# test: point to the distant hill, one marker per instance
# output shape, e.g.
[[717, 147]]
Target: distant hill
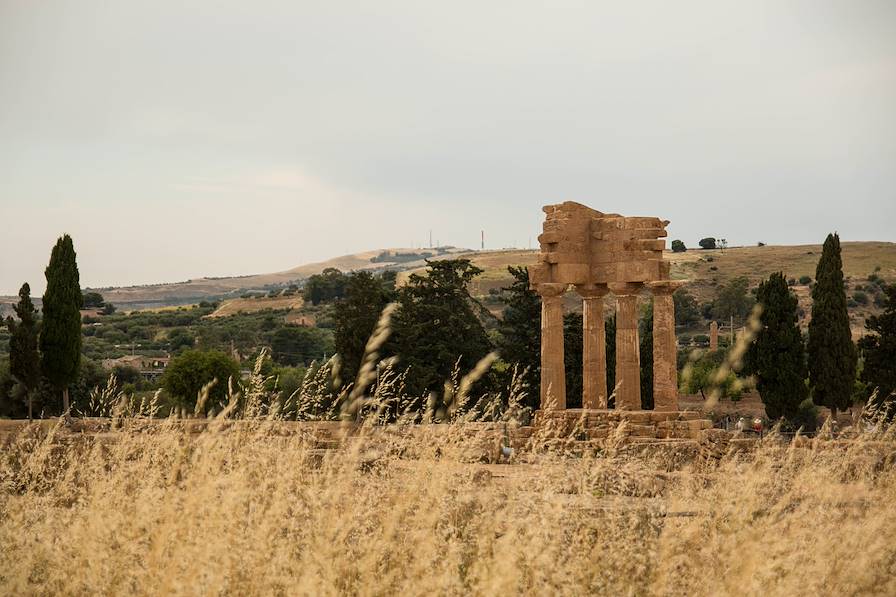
[[206, 289], [705, 269]]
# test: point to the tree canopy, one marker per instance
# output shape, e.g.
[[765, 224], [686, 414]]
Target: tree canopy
[[60, 337], [733, 300], [326, 286], [356, 315], [438, 325], [188, 372], [520, 327], [832, 354], [777, 357], [879, 352], [24, 357]]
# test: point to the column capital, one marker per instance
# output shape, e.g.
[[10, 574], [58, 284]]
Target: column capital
[[626, 288], [661, 287], [588, 291], [550, 289]]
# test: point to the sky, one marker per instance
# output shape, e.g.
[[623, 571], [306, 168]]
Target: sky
[[175, 140]]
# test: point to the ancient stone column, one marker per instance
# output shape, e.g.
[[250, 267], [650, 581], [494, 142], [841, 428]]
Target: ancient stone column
[[714, 336], [665, 347], [553, 371], [594, 361], [628, 359]]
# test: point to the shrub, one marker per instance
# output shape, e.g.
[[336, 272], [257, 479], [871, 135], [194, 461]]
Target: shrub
[[189, 372], [708, 243], [678, 246], [860, 297], [791, 281], [805, 280], [806, 416]]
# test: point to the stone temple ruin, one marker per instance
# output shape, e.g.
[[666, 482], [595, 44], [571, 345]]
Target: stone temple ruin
[[598, 254]]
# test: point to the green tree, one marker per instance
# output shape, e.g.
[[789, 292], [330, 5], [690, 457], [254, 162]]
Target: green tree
[[734, 300], [832, 354], [294, 345], [702, 377], [879, 353], [92, 300], [326, 286], [610, 332], [24, 358], [190, 371], [646, 350], [438, 325], [678, 246], [520, 328], [686, 310], [60, 336], [356, 315], [708, 243], [777, 357]]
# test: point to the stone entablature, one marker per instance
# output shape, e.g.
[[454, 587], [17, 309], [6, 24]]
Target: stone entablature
[[598, 254]]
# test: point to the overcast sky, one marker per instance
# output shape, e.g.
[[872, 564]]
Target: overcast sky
[[184, 139]]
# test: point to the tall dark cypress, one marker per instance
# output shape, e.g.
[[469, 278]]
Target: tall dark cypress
[[520, 327], [573, 349], [24, 358], [646, 350], [60, 337], [832, 354], [610, 333], [777, 357]]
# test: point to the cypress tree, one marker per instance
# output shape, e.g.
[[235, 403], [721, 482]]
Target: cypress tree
[[832, 354], [60, 337], [356, 315], [520, 340], [879, 353], [24, 358], [610, 333], [777, 356], [646, 350], [573, 349]]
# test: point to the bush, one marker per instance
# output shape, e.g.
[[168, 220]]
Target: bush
[[678, 246], [791, 282], [806, 416], [708, 243], [860, 297], [189, 372], [805, 280]]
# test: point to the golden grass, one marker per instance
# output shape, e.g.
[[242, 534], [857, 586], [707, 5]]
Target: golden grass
[[245, 509], [252, 305]]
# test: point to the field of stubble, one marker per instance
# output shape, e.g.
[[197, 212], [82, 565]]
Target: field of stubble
[[248, 510]]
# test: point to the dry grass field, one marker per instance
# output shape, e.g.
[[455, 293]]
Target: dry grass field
[[246, 509], [252, 305]]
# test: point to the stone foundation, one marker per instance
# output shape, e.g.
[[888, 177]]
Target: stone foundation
[[588, 424]]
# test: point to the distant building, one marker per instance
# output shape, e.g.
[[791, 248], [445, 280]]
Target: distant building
[[150, 368]]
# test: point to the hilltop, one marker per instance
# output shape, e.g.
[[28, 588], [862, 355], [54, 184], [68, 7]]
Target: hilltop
[[706, 269]]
